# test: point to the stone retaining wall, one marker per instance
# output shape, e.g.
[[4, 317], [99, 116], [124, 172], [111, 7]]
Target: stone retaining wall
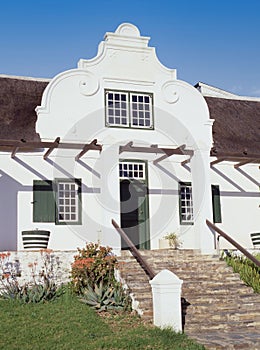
[[23, 262]]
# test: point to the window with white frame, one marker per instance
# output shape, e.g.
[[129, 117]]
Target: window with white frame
[[129, 109], [132, 170], [186, 203], [67, 201]]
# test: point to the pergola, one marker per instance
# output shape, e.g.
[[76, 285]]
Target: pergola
[[14, 146], [240, 158], [166, 152]]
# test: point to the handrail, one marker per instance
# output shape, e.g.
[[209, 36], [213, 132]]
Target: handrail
[[135, 252], [234, 243]]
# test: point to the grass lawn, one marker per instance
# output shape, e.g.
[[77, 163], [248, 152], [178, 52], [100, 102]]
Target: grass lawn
[[68, 324]]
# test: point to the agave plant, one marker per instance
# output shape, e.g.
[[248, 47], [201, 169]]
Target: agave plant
[[103, 297]]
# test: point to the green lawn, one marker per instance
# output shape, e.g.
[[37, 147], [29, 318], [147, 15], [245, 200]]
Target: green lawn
[[68, 324]]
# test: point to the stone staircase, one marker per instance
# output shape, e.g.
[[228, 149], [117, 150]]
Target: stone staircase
[[224, 313]]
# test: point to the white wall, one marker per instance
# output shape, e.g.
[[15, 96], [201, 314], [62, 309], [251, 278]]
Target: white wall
[[240, 200], [73, 108]]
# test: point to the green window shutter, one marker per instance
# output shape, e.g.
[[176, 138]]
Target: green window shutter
[[216, 203], [43, 201]]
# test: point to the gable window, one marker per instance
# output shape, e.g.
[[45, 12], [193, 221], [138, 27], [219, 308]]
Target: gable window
[[129, 109], [185, 203], [57, 201]]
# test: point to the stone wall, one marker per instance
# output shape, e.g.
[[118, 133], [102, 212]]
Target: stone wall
[[24, 263]]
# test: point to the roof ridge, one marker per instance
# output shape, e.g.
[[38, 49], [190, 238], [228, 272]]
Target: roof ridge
[[24, 78], [213, 91]]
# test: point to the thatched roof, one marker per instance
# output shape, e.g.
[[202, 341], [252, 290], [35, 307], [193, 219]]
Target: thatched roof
[[18, 99], [237, 125]]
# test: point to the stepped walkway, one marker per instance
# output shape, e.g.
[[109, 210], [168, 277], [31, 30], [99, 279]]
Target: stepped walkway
[[224, 313]]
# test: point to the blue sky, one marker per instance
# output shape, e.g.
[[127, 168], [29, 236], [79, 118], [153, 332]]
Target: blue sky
[[213, 41]]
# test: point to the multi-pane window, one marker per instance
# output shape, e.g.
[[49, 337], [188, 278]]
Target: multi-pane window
[[131, 170], [186, 204], [57, 201], [117, 108], [129, 109], [67, 201], [141, 110]]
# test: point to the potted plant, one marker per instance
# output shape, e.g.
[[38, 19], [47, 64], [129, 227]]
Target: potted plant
[[173, 240]]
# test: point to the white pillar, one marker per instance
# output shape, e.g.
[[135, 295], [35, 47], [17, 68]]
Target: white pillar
[[202, 200], [110, 197], [166, 289]]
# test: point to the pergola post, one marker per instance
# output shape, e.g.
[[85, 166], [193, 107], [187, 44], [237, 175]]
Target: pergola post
[[202, 200]]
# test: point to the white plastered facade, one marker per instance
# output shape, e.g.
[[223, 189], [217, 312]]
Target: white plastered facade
[[73, 108]]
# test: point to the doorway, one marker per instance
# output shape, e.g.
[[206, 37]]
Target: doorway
[[134, 204]]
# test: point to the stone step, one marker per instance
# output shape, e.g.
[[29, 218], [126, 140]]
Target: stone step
[[220, 301], [217, 340]]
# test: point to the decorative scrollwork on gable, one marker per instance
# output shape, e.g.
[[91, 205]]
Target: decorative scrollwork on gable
[[89, 85], [169, 92]]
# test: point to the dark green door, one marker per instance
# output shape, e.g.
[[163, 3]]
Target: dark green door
[[135, 212]]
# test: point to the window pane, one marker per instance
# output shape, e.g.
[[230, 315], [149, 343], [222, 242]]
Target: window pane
[[141, 103], [116, 109]]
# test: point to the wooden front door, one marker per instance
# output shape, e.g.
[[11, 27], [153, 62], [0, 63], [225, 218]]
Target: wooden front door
[[135, 212]]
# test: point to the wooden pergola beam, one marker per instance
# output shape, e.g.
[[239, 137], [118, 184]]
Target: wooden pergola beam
[[155, 149], [42, 144], [39, 145], [166, 155], [55, 145], [90, 146], [240, 160], [126, 147], [14, 151], [186, 161], [234, 155], [219, 160], [236, 166]]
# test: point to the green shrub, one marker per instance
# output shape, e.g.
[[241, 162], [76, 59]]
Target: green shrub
[[248, 271]]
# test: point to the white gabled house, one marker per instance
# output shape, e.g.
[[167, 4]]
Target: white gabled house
[[120, 137]]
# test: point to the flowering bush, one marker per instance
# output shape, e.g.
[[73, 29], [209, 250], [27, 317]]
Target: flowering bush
[[92, 265], [42, 285], [93, 278]]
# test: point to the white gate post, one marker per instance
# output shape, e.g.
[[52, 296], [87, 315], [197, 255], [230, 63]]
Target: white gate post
[[166, 289]]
